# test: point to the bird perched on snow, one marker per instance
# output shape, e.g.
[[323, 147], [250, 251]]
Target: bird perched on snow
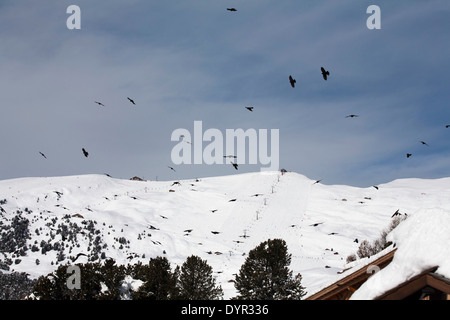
[[249, 108], [85, 152], [131, 100], [325, 73], [292, 81], [231, 9], [43, 155]]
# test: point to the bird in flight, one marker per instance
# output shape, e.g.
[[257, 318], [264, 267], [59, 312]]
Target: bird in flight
[[85, 152], [182, 136], [376, 187], [292, 81], [131, 100], [78, 255], [408, 155], [352, 116], [249, 108], [447, 126], [396, 213], [315, 224], [171, 168], [99, 103], [230, 156], [424, 143], [317, 181], [325, 73], [43, 155], [235, 165], [231, 9]]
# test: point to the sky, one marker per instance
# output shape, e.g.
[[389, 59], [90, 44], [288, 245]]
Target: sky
[[186, 61]]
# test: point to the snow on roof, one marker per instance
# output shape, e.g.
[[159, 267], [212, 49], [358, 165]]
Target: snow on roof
[[422, 242]]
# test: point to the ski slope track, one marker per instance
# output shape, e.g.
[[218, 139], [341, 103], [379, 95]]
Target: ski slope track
[[219, 219]]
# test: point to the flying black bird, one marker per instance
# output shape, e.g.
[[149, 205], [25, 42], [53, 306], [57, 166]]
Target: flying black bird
[[292, 81], [99, 103], [78, 255], [249, 108], [85, 152], [424, 143], [235, 165], [231, 9], [171, 168], [408, 155], [352, 116], [396, 213], [317, 181], [375, 187], [315, 224], [213, 210], [230, 156], [131, 100], [447, 126], [325, 73], [356, 240], [215, 232], [43, 155]]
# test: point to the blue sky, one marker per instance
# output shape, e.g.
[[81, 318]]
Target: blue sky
[[183, 61]]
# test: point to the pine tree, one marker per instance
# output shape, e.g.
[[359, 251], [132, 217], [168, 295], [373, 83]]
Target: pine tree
[[112, 277], [159, 280], [265, 274], [196, 281]]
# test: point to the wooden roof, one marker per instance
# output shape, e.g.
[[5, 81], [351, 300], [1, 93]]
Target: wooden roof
[[427, 285], [344, 288]]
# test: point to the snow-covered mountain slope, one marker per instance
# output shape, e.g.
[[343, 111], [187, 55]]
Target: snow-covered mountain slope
[[219, 219]]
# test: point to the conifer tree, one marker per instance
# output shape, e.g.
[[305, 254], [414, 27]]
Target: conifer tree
[[196, 281], [159, 280], [265, 274]]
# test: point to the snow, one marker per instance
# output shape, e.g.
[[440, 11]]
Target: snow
[[422, 243], [268, 205], [129, 284]]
